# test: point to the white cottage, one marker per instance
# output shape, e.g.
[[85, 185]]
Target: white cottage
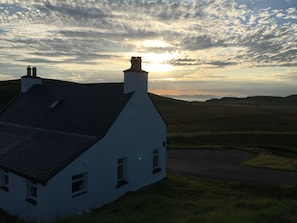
[[69, 148]]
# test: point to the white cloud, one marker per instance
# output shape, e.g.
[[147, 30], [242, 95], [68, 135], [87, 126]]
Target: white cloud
[[201, 34]]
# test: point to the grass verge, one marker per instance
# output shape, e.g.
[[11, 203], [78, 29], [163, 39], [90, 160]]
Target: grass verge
[[275, 150], [273, 161]]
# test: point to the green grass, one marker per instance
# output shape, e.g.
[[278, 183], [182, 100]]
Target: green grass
[[198, 117], [7, 218], [235, 138], [275, 150], [273, 161], [182, 199], [186, 199]]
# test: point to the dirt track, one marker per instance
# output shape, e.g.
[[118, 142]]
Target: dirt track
[[224, 164]]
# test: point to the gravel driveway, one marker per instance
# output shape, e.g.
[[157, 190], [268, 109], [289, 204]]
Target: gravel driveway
[[224, 164]]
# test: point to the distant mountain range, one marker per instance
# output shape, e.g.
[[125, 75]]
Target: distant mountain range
[[258, 101]]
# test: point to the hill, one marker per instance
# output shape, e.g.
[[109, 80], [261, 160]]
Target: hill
[[251, 121], [258, 101], [232, 122], [230, 114]]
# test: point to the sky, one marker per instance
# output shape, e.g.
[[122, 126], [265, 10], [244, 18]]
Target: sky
[[192, 49]]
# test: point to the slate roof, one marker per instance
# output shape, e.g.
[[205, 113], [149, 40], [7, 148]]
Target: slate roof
[[87, 109], [38, 154], [46, 128]]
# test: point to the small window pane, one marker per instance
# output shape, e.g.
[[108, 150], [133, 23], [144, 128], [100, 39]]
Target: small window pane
[[33, 191], [120, 161], [79, 184], [6, 179], [156, 167], [122, 172], [156, 159]]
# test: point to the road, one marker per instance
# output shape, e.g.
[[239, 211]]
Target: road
[[224, 164]]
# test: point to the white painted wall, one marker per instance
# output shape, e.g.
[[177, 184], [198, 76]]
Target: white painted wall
[[28, 82], [135, 81], [138, 131], [14, 201]]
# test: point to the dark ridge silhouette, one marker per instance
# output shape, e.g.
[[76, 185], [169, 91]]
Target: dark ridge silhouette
[[258, 100]]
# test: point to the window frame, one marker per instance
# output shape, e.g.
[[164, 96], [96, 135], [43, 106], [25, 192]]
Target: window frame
[[4, 180], [122, 172], [79, 180], [156, 161], [32, 192]]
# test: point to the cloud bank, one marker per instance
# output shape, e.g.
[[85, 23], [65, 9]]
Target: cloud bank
[[187, 40]]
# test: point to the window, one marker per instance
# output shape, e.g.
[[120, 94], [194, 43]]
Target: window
[[122, 172], [32, 192], [4, 181], [156, 167], [79, 184]]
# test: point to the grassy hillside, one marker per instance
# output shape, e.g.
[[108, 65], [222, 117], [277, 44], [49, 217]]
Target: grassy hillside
[[271, 126], [226, 116]]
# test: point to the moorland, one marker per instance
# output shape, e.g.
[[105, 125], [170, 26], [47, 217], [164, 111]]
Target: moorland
[[266, 126]]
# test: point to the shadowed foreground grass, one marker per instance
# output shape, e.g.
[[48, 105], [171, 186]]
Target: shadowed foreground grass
[[184, 199]]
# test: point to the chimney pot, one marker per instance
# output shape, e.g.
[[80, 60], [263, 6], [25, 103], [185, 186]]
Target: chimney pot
[[135, 79], [29, 71], [136, 63], [29, 80], [34, 72]]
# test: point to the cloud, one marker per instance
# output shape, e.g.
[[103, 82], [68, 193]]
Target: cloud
[[202, 35], [184, 62], [193, 43]]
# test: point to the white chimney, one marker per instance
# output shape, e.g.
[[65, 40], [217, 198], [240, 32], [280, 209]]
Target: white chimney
[[30, 79], [135, 79]]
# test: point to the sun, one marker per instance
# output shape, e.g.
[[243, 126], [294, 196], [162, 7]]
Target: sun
[[156, 55], [158, 62], [154, 43]]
